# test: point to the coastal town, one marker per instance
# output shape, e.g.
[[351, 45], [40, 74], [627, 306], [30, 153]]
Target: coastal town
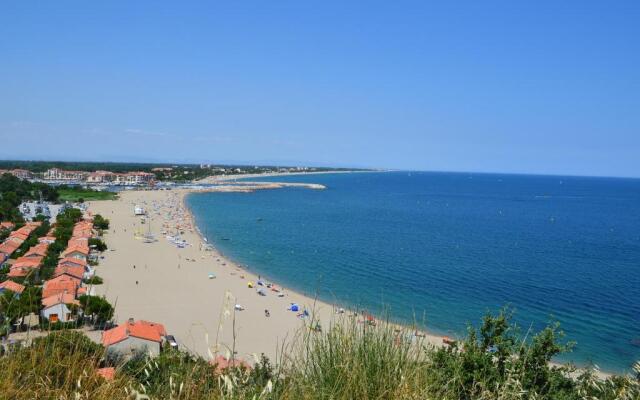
[[135, 276], [61, 270]]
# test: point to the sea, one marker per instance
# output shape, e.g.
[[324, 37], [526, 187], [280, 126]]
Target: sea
[[443, 249]]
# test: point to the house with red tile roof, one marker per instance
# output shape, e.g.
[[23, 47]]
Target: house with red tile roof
[[24, 266], [77, 272], [49, 239], [39, 250], [18, 236], [135, 336], [28, 262], [108, 373], [11, 286], [78, 242], [72, 262], [61, 284], [59, 307], [8, 247], [8, 225], [79, 252]]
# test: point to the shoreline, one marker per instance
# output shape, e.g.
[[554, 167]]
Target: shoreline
[[225, 178], [287, 325]]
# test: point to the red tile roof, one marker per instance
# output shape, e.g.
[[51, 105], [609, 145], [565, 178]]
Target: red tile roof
[[72, 261], [64, 298], [8, 247], [12, 286], [107, 373], [18, 236], [223, 363], [60, 284], [76, 248], [27, 262], [19, 272], [74, 271], [140, 329], [37, 250], [7, 225]]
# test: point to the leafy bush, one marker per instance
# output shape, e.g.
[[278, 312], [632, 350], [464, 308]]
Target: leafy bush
[[97, 307], [99, 222], [94, 280], [99, 244]]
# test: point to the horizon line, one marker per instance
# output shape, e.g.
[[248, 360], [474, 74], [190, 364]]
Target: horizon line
[[311, 165]]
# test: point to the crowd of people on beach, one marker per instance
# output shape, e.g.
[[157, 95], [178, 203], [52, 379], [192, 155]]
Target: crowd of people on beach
[[175, 221]]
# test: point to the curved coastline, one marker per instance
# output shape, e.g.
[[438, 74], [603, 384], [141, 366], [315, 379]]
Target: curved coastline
[[282, 324], [431, 336]]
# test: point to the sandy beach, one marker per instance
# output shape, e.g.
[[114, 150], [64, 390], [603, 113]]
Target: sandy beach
[[164, 283]]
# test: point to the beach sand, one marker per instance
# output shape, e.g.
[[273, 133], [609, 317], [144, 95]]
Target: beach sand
[[173, 287]]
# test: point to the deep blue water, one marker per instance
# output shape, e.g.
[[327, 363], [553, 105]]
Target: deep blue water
[[443, 248]]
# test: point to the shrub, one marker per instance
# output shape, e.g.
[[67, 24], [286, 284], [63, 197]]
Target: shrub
[[94, 280], [99, 244], [99, 222]]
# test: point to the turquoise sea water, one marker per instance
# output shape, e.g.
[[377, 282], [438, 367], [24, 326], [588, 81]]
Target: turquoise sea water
[[443, 248]]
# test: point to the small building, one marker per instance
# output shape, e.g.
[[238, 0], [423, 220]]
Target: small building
[[8, 247], [77, 252], [77, 272], [8, 225], [108, 373], [59, 307], [72, 262], [21, 173], [39, 250], [11, 286], [30, 321], [60, 285], [49, 239], [134, 336], [23, 266]]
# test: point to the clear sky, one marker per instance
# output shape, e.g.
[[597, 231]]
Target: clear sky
[[513, 86]]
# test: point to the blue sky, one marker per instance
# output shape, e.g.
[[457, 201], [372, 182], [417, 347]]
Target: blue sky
[[534, 87]]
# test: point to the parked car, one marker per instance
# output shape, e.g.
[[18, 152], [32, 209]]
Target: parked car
[[172, 341]]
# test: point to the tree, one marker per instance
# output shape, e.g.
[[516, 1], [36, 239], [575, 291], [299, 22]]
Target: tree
[[14, 307], [100, 222], [97, 307], [99, 244]]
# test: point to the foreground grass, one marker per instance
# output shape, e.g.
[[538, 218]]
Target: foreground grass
[[78, 194], [348, 361]]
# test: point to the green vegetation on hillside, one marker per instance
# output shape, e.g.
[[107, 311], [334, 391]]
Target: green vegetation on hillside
[[349, 361], [14, 191]]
